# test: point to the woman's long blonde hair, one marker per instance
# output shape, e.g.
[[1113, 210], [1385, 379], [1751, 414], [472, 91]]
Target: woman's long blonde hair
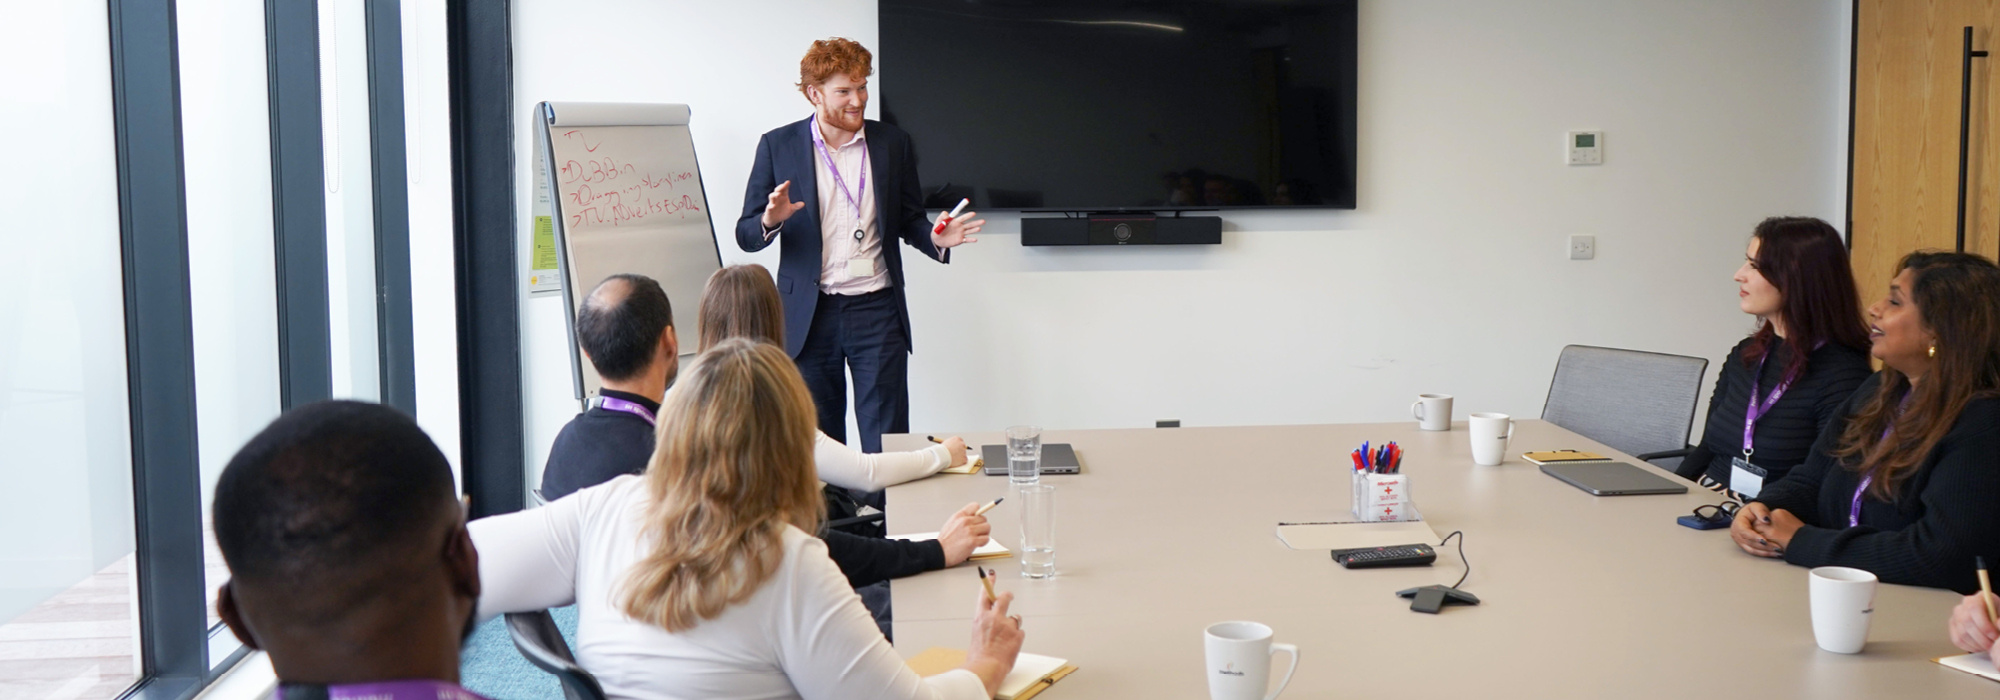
[[733, 467]]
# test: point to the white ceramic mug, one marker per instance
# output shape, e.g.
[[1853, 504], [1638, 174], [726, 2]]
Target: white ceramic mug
[[1239, 661], [1490, 432], [1842, 601], [1432, 411]]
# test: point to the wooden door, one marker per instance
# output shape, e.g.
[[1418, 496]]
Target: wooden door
[[1904, 189]]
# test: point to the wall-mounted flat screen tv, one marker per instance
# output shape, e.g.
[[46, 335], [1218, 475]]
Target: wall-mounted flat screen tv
[[1108, 105]]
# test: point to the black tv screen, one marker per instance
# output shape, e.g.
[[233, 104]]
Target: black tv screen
[[1099, 105]]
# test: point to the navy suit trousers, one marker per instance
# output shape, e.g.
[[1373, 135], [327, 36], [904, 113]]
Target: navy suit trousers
[[863, 334]]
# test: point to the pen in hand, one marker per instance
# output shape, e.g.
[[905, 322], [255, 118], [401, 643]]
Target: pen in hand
[[988, 583], [1985, 588], [982, 509]]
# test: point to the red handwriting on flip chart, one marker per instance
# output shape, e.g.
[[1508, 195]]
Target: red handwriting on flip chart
[[578, 135], [596, 201], [595, 170]]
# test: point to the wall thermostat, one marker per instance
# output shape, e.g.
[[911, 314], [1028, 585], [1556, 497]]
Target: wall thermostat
[[1585, 148]]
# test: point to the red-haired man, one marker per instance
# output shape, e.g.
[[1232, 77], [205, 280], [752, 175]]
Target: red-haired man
[[838, 191]]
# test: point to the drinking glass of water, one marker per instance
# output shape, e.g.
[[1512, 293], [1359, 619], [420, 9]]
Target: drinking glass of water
[[1038, 530], [1024, 454]]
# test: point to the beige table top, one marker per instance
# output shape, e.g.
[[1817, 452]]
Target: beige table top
[[1169, 530]]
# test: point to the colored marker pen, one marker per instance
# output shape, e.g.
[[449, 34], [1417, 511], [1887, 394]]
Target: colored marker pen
[[946, 219]]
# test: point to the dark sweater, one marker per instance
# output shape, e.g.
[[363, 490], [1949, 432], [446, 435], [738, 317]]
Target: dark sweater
[[1943, 515], [600, 445], [1785, 435]]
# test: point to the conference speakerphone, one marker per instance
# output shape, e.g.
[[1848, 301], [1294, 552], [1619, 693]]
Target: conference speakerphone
[[1121, 229]]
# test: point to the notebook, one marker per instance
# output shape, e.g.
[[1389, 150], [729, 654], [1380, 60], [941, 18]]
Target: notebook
[[1057, 458], [1975, 664], [973, 460], [1559, 456], [991, 550], [1032, 673]]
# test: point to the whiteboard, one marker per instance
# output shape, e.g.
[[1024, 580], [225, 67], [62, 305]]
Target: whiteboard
[[628, 199]]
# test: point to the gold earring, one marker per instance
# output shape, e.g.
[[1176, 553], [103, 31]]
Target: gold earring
[[1933, 351]]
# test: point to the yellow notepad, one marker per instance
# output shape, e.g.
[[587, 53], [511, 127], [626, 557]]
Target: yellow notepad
[[991, 550], [1032, 673], [1559, 456], [973, 462], [1975, 664]]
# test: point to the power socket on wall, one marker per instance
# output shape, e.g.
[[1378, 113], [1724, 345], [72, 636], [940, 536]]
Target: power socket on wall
[[1582, 247]]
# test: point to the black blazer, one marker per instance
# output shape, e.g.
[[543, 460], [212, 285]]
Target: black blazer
[[787, 153]]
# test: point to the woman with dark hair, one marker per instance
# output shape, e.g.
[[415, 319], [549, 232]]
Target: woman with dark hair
[[1904, 483], [1787, 381]]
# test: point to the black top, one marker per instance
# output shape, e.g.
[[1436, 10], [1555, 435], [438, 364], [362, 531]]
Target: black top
[[600, 445], [1785, 435], [1943, 515]]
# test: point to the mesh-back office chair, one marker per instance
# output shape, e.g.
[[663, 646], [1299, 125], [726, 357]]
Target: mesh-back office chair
[[1639, 403], [536, 635]]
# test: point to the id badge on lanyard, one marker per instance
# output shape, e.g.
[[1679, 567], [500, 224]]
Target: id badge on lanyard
[[857, 267], [1744, 477]]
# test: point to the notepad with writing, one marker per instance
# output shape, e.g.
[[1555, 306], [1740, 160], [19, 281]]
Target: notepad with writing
[[1975, 664], [991, 550], [1032, 673], [973, 462]]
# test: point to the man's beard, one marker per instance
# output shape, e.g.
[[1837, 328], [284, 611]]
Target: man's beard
[[840, 120]]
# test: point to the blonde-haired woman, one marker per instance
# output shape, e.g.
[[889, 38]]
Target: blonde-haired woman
[[699, 579]]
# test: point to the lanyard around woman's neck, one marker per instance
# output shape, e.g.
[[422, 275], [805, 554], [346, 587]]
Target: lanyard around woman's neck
[[1854, 507]]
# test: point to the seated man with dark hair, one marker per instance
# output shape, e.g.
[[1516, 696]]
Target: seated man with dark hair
[[626, 330], [348, 555]]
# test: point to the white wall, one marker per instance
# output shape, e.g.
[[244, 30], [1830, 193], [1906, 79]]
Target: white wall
[[1451, 276]]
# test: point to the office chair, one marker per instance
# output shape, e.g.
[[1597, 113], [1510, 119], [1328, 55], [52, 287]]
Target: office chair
[[1639, 403], [536, 636]]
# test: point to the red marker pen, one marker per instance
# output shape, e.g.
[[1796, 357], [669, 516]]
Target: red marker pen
[[946, 219]]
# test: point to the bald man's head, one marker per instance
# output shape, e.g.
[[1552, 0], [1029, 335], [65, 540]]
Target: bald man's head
[[621, 323]]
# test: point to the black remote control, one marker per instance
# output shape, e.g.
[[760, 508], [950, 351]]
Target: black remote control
[[1374, 557]]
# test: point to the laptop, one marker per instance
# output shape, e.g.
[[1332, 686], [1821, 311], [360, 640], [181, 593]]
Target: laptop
[[1612, 478], [1057, 458]]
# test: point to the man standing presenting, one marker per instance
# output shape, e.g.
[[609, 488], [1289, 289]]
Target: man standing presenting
[[839, 190]]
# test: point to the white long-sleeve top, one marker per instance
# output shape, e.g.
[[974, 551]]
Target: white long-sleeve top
[[803, 634], [850, 468]]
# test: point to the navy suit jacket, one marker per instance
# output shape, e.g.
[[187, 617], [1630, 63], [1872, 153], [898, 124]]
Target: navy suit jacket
[[787, 153]]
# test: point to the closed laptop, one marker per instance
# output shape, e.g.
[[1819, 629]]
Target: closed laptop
[[1057, 458], [1613, 478]]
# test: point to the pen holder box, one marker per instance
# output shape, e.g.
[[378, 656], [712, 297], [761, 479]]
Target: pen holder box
[[1383, 497]]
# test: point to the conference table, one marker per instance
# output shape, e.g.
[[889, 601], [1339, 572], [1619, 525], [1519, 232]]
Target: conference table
[[1168, 530]]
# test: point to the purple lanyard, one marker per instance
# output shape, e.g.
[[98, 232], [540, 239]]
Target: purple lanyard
[[394, 690], [854, 197], [611, 404], [1854, 508], [1757, 410]]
